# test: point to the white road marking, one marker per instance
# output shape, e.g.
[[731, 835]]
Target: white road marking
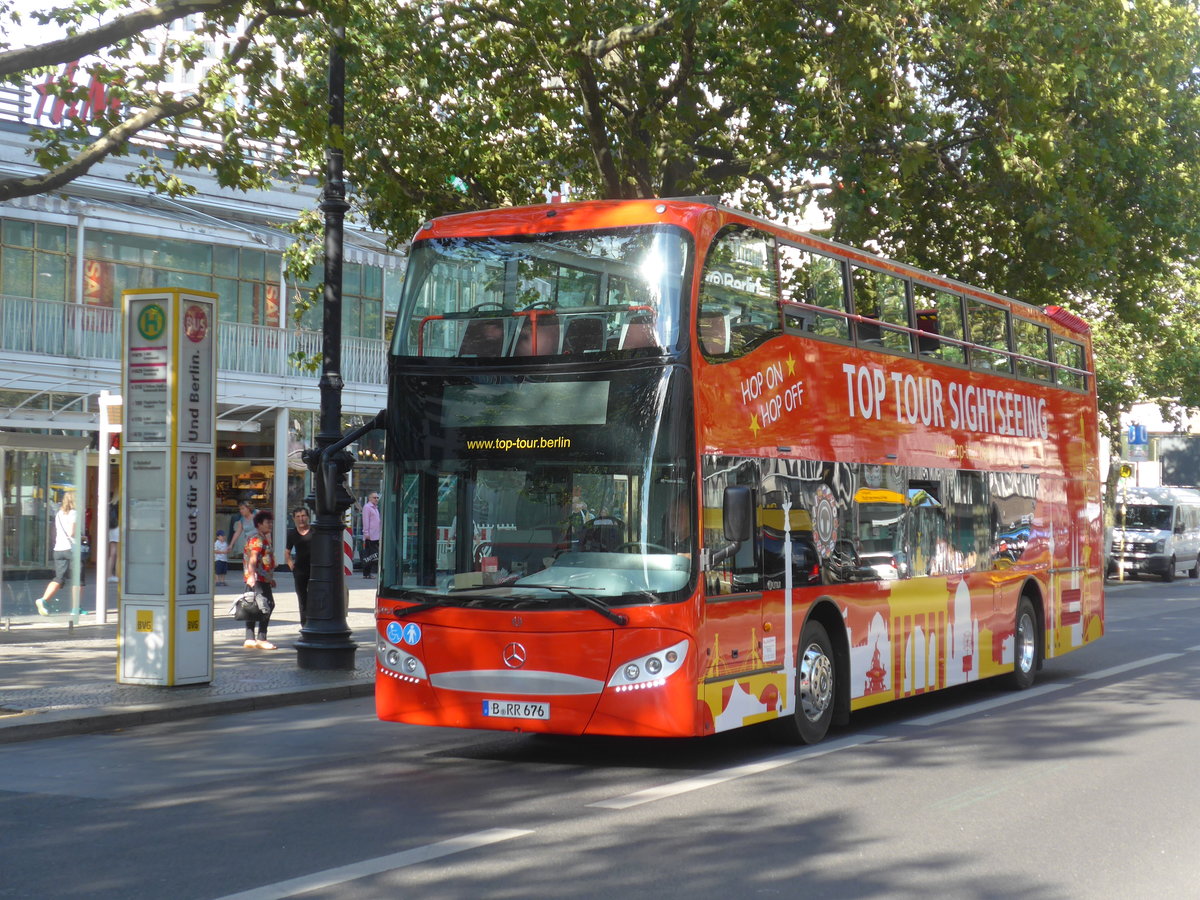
[[698, 782], [1128, 667], [342, 874], [1017, 696], [983, 705]]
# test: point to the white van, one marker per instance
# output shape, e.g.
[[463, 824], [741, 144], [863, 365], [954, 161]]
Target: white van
[[1156, 530]]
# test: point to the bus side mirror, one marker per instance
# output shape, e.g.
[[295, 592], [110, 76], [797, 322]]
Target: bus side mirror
[[737, 511]]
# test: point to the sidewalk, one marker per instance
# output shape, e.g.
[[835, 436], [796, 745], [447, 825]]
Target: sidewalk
[[57, 678]]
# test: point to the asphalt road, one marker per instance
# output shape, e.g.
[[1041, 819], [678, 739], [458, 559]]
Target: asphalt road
[[1082, 787]]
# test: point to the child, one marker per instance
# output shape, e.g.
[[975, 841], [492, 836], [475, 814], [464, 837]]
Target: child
[[221, 557]]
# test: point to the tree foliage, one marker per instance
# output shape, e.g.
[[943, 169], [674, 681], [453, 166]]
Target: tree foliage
[[1050, 151]]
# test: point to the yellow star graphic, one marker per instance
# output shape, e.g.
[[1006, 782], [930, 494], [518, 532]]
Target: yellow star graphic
[[791, 364], [754, 426]]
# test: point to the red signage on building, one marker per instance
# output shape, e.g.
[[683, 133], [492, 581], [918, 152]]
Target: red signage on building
[[98, 102]]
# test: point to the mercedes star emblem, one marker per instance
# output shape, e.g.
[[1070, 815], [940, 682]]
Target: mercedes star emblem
[[514, 655]]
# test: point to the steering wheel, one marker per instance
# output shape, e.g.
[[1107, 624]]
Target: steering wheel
[[639, 545]]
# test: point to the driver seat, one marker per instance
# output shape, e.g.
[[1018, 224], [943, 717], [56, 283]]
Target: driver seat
[[603, 535]]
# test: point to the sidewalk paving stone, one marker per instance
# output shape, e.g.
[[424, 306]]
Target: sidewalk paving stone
[[58, 676]]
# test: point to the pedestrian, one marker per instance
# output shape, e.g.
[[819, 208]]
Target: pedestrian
[[241, 530], [220, 557], [258, 564], [114, 536], [296, 555], [64, 541], [372, 532]]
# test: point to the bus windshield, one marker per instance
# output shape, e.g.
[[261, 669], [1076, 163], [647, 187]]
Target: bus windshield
[[568, 294], [531, 491]]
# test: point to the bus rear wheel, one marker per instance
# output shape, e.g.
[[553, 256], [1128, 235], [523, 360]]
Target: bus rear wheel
[[1025, 646], [816, 688]]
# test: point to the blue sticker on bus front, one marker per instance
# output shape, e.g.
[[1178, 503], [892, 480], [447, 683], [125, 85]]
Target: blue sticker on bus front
[[394, 633], [412, 634]]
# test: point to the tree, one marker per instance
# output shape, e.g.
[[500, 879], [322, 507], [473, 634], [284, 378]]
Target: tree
[[1049, 151], [130, 55]]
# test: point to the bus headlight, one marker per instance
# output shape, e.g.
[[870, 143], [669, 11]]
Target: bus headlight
[[649, 671], [398, 663]]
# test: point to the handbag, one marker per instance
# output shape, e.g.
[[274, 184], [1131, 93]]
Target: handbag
[[245, 607]]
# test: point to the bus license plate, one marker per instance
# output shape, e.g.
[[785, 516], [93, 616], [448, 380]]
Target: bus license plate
[[514, 709]]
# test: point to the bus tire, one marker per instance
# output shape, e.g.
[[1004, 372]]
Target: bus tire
[[1194, 571], [1169, 575], [816, 688], [1025, 646]]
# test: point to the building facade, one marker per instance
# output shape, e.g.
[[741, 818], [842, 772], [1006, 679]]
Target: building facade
[[66, 257]]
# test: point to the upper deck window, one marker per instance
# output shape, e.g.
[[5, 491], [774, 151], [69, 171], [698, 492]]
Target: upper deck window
[[939, 314], [1032, 341], [567, 294], [739, 296], [883, 299], [806, 277], [1069, 356], [988, 328]]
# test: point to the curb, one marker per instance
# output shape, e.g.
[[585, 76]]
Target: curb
[[39, 724]]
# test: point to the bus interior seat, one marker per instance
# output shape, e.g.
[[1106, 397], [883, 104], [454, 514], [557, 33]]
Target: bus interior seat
[[583, 333], [547, 336], [483, 337], [714, 333], [638, 332]]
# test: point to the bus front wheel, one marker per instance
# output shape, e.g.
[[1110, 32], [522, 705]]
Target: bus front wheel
[[1025, 646], [1169, 575], [816, 683]]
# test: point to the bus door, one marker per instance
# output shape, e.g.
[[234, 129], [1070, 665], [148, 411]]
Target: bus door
[[733, 588], [789, 560]]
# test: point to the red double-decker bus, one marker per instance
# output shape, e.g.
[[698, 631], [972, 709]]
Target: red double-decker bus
[[662, 468]]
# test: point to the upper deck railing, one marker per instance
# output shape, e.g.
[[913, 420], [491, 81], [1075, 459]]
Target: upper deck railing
[[74, 331]]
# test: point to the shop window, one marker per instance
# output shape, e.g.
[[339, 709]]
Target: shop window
[[25, 272], [16, 272], [253, 264], [16, 233], [50, 279], [52, 238], [738, 294], [351, 279], [372, 282], [225, 261]]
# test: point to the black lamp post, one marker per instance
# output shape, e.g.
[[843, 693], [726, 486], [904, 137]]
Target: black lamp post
[[325, 638]]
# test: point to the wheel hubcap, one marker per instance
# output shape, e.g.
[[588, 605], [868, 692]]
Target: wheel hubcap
[[1026, 646], [816, 682]]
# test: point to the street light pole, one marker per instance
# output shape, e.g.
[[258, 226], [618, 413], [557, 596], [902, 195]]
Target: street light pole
[[325, 637]]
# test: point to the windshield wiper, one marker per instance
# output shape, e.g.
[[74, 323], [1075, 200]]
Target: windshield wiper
[[594, 602], [430, 601]]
